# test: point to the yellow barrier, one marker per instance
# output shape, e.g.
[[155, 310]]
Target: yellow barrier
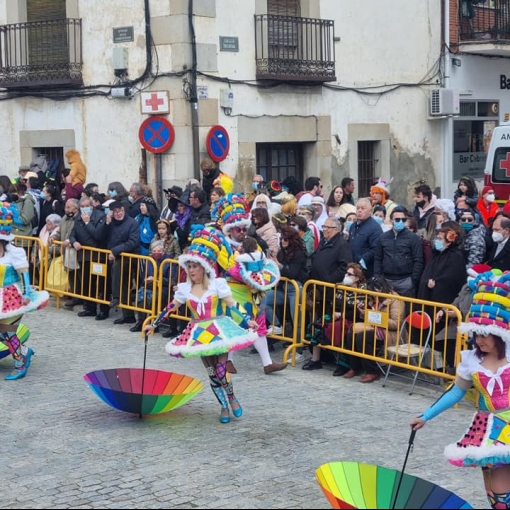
[[324, 299]]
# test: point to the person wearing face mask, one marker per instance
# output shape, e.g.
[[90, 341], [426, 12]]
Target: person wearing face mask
[[498, 256], [445, 273], [474, 237], [349, 221], [398, 255], [300, 225], [486, 205], [212, 176], [89, 231], [425, 203], [51, 203], [71, 210], [428, 234], [379, 215], [117, 192]]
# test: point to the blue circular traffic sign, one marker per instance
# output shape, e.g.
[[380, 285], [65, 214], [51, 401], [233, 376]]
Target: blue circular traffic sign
[[156, 134], [218, 143]]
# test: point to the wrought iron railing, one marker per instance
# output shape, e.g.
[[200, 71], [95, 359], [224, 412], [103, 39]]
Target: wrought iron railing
[[484, 20], [292, 48], [40, 53]]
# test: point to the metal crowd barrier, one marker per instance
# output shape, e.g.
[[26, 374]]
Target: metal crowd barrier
[[89, 273]]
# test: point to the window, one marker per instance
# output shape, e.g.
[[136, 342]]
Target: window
[[278, 161], [367, 163]]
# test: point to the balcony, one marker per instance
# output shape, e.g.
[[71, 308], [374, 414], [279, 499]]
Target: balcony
[[484, 27], [289, 48], [41, 54]]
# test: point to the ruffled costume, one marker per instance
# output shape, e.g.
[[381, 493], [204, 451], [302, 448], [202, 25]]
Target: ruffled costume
[[486, 443], [214, 328]]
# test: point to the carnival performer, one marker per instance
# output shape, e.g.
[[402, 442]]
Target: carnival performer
[[486, 444], [248, 286], [16, 294], [217, 325]]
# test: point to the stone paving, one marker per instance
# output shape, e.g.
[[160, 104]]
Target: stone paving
[[62, 447]]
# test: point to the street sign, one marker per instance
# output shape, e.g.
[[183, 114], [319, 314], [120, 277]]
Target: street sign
[[217, 143], [156, 134]]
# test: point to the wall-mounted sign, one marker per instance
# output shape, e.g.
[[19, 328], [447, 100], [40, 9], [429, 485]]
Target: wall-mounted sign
[[203, 92], [229, 43], [155, 101], [123, 34]]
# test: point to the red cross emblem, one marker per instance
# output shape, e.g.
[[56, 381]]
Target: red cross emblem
[[504, 164], [154, 102]]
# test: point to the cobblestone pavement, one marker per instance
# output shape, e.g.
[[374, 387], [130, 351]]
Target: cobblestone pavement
[[62, 447]]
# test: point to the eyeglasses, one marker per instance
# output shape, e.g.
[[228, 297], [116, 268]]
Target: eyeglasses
[[240, 229], [327, 226], [398, 220], [467, 220], [292, 225], [286, 239]]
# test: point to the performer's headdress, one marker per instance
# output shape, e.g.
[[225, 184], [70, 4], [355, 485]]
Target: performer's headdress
[[490, 310], [8, 216], [232, 211], [206, 243], [381, 186]]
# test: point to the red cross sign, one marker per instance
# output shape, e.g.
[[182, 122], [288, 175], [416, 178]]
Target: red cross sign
[[155, 102], [504, 164]]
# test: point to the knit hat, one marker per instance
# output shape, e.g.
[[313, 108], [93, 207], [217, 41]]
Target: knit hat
[[478, 269], [489, 313], [231, 211], [274, 187], [8, 215], [204, 249], [487, 189]]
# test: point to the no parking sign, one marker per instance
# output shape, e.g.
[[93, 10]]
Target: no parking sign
[[156, 134], [217, 143]]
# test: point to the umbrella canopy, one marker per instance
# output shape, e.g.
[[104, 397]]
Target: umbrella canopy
[[22, 332], [356, 485], [163, 391]]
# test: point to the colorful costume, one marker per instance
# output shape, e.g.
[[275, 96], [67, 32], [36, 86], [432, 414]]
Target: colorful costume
[[215, 328], [17, 296]]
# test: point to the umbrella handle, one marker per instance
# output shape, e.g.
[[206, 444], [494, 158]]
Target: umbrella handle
[[410, 445], [146, 341]]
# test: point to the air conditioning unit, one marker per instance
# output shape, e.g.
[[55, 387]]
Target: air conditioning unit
[[444, 102]]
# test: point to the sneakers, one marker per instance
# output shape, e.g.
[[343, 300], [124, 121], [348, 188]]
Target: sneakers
[[300, 357], [312, 365], [274, 367], [275, 330]]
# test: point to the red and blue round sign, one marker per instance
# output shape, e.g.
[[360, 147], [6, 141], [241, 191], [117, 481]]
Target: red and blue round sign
[[218, 143], [156, 134]]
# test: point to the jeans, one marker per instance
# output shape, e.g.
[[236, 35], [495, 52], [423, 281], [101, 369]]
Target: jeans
[[279, 296]]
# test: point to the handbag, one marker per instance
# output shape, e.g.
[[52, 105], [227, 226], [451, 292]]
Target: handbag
[[57, 276]]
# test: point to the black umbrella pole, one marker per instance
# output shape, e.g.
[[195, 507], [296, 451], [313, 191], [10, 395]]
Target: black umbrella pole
[[143, 371], [411, 441]]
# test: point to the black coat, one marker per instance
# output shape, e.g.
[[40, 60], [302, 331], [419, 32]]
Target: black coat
[[362, 240], [502, 259], [123, 236], [330, 259], [448, 269], [93, 234]]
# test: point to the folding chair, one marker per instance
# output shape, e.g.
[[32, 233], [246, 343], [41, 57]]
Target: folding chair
[[421, 323]]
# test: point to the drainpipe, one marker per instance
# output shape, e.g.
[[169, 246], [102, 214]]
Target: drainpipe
[[447, 170], [194, 99]]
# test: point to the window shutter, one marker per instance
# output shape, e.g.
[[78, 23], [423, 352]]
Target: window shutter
[[43, 10], [284, 7]]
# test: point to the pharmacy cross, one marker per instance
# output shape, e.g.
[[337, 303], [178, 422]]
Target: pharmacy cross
[[154, 102], [504, 164]]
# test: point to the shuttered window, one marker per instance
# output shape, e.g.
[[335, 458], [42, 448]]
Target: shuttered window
[[48, 44], [284, 7]]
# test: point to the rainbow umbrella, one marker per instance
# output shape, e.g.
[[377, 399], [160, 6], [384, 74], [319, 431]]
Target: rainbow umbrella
[[163, 391], [22, 332], [356, 485]]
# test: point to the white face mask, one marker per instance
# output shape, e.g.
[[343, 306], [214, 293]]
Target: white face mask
[[490, 197], [497, 237], [348, 280]]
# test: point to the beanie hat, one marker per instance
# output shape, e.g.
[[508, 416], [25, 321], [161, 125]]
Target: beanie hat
[[8, 215], [477, 269], [274, 187], [489, 313], [204, 249], [486, 190], [231, 211]]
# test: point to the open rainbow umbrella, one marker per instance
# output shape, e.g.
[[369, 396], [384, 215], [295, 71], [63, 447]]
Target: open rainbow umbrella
[[356, 485], [163, 391], [22, 332]]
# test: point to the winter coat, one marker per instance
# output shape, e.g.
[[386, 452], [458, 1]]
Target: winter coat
[[329, 261], [123, 236], [474, 246], [26, 210], [487, 212], [502, 259], [78, 170], [91, 235], [269, 234], [421, 215], [362, 240], [294, 268], [200, 215], [399, 255]]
